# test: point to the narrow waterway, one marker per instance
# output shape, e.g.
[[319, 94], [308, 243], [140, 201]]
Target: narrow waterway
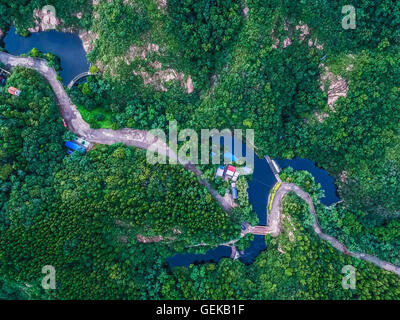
[[261, 182], [321, 176], [143, 139], [68, 47]]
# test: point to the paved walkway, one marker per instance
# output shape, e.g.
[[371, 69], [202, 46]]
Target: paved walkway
[[130, 137], [274, 226], [143, 139]]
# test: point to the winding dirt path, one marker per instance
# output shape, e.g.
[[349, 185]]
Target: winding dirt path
[[274, 226], [130, 137], [143, 139]]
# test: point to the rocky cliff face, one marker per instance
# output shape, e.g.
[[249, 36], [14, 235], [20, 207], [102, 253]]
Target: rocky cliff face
[[47, 21], [44, 21], [88, 39]]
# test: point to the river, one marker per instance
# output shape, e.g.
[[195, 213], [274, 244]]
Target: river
[[260, 185], [74, 61]]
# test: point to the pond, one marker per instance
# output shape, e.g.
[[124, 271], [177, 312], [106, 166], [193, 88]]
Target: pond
[[262, 181], [260, 184], [67, 46], [320, 176], [186, 259]]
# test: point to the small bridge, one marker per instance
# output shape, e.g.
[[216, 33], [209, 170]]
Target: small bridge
[[274, 168], [259, 230], [78, 77], [4, 70]]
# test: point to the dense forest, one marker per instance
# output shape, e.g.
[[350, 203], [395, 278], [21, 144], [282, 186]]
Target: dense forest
[[308, 269], [253, 66]]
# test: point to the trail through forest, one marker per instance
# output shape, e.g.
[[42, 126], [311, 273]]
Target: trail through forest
[[274, 226], [130, 137], [143, 139]]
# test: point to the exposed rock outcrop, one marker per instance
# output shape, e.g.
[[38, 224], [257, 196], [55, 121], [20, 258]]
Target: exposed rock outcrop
[[335, 86], [161, 76], [44, 21], [343, 176], [246, 13], [189, 85], [88, 39], [305, 33], [141, 52], [47, 21], [143, 239], [161, 4]]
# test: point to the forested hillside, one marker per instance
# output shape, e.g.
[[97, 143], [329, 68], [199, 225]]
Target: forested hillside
[[20, 13], [272, 66], [82, 214]]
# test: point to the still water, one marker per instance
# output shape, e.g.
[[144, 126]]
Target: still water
[[67, 46]]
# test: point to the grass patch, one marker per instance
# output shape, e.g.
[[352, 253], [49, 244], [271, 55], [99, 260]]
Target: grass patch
[[97, 118], [338, 64]]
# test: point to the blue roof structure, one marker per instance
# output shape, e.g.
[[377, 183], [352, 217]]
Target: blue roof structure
[[234, 193], [74, 146]]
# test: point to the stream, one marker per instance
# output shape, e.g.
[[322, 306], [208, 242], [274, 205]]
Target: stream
[[74, 61]]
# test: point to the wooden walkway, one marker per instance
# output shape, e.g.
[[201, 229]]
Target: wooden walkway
[[259, 230]]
